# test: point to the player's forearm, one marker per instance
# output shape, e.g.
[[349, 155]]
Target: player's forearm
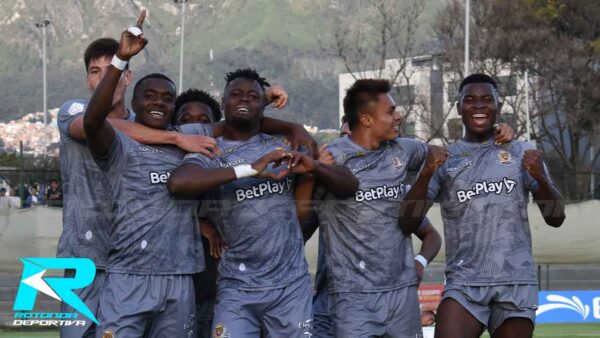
[[99, 133], [143, 134], [415, 205], [303, 197], [431, 242], [337, 179], [270, 125], [189, 180], [550, 203]]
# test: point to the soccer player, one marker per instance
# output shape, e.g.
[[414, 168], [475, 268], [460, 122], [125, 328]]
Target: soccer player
[[370, 262], [483, 190], [87, 202], [264, 286], [196, 106], [154, 245], [322, 319]]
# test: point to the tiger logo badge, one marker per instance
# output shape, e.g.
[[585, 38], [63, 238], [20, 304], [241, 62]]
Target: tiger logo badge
[[504, 157]]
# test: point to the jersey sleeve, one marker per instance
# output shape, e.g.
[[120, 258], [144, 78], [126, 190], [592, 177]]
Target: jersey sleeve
[[435, 185], [196, 129], [67, 113], [418, 152], [117, 154], [200, 160]]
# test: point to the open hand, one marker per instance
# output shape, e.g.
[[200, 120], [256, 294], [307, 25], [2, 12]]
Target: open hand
[[196, 143], [215, 242], [325, 156]]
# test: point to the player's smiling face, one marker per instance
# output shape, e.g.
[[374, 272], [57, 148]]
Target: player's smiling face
[[243, 102], [154, 102], [479, 107], [195, 112], [385, 120]]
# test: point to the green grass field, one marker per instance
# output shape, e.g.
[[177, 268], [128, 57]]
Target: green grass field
[[541, 331]]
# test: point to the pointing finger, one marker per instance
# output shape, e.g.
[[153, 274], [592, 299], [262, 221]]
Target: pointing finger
[[141, 19]]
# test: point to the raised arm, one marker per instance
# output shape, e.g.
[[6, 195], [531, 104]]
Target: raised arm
[[100, 134], [146, 135], [416, 203], [268, 125], [546, 196]]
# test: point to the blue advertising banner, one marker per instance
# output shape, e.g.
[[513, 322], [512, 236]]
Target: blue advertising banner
[[568, 307]]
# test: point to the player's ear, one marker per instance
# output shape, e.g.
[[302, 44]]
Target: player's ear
[[458, 108], [365, 119]]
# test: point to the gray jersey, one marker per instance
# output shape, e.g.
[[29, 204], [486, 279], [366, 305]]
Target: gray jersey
[[87, 202], [321, 303], [483, 193], [153, 232], [256, 217], [366, 250]]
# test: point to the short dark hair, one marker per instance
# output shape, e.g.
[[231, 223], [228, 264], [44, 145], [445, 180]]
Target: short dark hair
[[246, 73], [100, 48], [152, 76], [361, 94], [195, 95], [477, 78]]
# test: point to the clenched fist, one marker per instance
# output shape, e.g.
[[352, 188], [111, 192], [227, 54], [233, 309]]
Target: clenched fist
[[435, 158], [533, 162]]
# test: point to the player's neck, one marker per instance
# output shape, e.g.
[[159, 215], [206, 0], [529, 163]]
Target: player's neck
[[235, 134], [478, 138], [365, 139]]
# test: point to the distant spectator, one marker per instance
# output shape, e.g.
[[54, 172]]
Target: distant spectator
[[4, 200], [35, 196], [8, 202], [54, 196]]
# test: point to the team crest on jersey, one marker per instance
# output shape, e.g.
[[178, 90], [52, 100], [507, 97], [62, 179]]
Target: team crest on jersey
[[504, 157], [75, 108], [108, 334], [221, 331], [397, 163]]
